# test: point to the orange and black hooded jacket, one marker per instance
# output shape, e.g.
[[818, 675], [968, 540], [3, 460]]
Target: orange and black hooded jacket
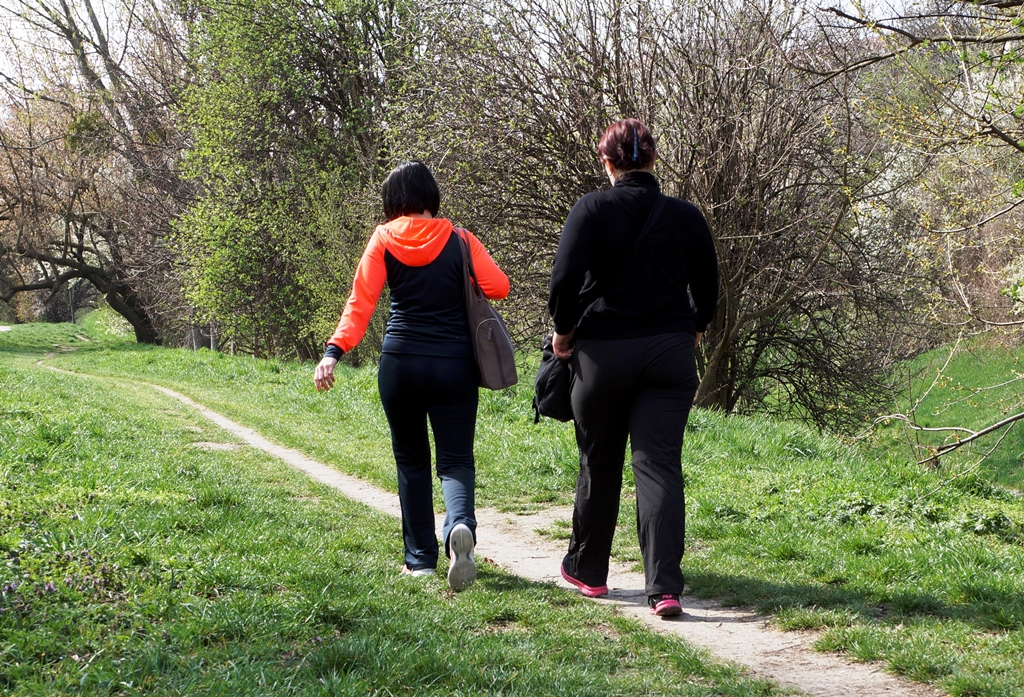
[[421, 261]]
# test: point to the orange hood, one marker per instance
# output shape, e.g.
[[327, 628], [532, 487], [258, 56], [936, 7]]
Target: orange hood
[[415, 241]]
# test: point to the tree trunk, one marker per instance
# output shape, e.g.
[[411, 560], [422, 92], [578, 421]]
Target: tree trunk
[[129, 307], [715, 391]]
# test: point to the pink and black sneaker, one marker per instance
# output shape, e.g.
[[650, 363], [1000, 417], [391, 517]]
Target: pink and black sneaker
[[665, 605], [589, 591]]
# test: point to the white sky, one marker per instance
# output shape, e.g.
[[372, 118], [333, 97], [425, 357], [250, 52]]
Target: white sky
[[13, 28], [18, 38]]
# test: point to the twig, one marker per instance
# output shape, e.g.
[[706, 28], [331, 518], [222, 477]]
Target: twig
[[978, 224], [910, 422], [946, 449], [970, 469], [952, 352], [976, 391]]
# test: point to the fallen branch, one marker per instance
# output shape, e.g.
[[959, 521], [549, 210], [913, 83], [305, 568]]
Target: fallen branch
[[913, 426], [970, 469], [950, 447]]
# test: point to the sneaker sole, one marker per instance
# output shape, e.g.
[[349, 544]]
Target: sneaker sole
[[418, 573], [589, 591], [462, 570], [667, 609]]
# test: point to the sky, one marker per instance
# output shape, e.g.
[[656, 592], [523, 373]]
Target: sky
[[13, 28]]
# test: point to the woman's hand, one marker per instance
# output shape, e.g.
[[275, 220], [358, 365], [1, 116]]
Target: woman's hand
[[323, 376], [696, 339], [561, 344]]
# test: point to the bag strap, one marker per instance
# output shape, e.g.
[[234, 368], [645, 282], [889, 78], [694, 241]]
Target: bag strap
[[652, 217], [467, 257]]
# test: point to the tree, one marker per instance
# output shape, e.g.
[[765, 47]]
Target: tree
[[960, 66], [781, 164], [286, 112], [958, 107], [89, 178]]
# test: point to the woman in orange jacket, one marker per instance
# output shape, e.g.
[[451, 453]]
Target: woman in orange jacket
[[427, 369]]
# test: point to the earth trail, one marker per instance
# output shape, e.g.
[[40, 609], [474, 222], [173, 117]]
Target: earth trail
[[510, 541]]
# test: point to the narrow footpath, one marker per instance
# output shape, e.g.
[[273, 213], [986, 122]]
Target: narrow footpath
[[511, 542]]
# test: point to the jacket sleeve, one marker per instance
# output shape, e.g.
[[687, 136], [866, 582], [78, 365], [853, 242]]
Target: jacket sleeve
[[569, 270], [371, 274], [493, 281], [702, 271]]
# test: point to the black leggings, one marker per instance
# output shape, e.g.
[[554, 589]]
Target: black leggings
[[641, 389], [412, 389]]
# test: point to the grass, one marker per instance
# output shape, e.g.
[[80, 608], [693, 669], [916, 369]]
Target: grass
[[134, 562], [520, 466], [889, 560], [974, 384]]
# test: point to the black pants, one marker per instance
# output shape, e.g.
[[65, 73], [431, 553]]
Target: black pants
[[641, 389], [412, 389]]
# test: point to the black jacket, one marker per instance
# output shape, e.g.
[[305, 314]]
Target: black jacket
[[591, 289]]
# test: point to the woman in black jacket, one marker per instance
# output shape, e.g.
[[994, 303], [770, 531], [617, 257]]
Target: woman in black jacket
[[630, 298]]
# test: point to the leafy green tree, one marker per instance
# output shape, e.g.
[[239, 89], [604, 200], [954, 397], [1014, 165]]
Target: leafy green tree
[[286, 112]]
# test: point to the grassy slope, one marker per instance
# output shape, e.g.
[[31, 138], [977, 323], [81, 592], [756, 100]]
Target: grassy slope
[[891, 562], [131, 562], [982, 384], [520, 465]]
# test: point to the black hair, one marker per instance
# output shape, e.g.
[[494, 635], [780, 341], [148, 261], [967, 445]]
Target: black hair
[[410, 188]]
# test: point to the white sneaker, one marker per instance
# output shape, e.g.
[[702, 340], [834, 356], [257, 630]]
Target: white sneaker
[[462, 570], [417, 572]]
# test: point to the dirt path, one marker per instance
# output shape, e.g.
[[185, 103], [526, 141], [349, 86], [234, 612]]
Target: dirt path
[[511, 542]]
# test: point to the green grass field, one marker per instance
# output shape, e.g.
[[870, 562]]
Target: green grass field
[[978, 384], [136, 563], [890, 560]]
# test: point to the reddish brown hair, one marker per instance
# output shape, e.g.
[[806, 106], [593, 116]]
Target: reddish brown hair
[[628, 145]]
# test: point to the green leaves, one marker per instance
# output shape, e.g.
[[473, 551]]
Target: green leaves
[[89, 133], [286, 112]]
